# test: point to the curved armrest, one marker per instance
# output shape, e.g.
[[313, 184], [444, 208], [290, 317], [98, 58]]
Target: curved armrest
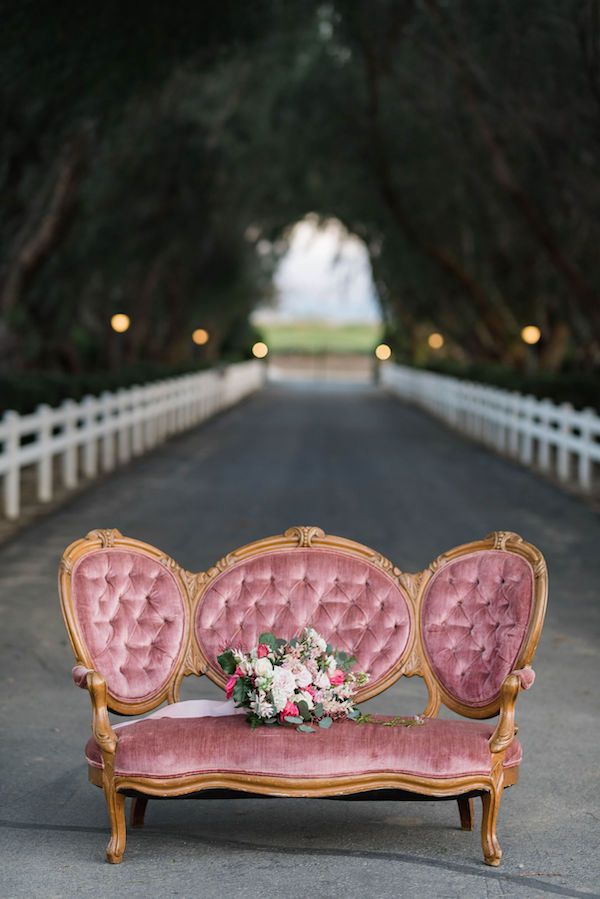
[[102, 729], [520, 679]]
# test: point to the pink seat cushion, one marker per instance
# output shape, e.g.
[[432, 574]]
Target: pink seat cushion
[[174, 747], [355, 605]]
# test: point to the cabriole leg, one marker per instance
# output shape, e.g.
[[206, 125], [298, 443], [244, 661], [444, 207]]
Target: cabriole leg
[[115, 803], [466, 809], [492, 852], [138, 810]]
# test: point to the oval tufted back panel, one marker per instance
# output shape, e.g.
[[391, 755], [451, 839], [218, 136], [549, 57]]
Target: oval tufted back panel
[[353, 604], [131, 616], [474, 618]]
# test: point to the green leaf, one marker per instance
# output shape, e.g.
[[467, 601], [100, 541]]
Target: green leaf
[[305, 729], [293, 719], [326, 722], [254, 720], [304, 710], [268, 638], [227, 661], [239, 691], [353, 714], [318, 709]]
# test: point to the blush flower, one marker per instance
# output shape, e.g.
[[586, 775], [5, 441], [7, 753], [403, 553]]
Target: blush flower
[[290, 709], [230, 685]]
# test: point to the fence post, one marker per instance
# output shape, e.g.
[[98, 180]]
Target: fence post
[[44, 465], [564, 452], [90, 446], [69, 434], [123, 427], [106, 424], [12, 475], [526, 454], [584, 464], [138, 421], [545, 416]]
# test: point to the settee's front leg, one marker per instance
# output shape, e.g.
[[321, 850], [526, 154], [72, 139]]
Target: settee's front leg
[[138, 810], [492, 853], [115, 803], [466, 810]]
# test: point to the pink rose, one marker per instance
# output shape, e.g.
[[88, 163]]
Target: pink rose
[[230, 685], [338, 677], [263, 650], [310, 689], [290, 709]]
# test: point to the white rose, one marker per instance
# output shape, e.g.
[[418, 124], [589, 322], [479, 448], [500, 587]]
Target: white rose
[[283, 678], [322, 680], [280, 698], [284, 686], [302, 676], [263, 667]]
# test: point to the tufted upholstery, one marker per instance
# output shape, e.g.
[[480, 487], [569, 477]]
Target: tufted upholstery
[[131, 616], [172, 747], [352, 603], [474, 619]]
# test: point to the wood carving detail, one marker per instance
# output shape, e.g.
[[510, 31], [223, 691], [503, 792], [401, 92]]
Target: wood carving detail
[[305, 534], [106, 536], [501, 538]]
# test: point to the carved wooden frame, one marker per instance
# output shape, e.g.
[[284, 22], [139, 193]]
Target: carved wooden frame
[[414, 661]]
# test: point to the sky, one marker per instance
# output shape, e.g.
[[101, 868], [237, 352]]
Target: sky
[[324, 275]]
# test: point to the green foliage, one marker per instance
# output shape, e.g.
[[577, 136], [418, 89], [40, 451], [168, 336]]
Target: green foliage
[[304, 710], [305, 729], [345, 661], [227, 662], [240, 691], [144, 162]]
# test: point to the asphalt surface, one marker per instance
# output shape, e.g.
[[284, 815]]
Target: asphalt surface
[[358, 463]]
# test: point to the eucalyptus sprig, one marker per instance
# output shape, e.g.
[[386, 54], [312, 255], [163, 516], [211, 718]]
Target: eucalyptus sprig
[[397, 721]]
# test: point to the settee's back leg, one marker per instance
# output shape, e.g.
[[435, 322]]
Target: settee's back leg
[[116, 812], [138, 810], [492, 852], [466, 809]]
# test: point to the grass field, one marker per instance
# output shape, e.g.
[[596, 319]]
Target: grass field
[[320, 337]]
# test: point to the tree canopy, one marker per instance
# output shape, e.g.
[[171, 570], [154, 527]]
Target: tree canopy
[[147, 150]]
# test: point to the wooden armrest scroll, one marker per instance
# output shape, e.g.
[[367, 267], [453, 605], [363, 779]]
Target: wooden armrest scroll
[[102, 729], [506, 730]]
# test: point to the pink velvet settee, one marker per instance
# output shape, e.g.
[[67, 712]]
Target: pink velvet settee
[[468, 624]]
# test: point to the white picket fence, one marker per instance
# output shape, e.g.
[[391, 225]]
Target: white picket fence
[[556, 439], [101, 432]]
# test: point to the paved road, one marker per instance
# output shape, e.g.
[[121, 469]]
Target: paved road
[[360, 464]]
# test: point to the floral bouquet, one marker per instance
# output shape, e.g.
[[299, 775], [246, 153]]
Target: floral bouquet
[[298, 682]]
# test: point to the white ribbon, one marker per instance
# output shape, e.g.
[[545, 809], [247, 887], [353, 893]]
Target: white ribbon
[[191, 708]]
